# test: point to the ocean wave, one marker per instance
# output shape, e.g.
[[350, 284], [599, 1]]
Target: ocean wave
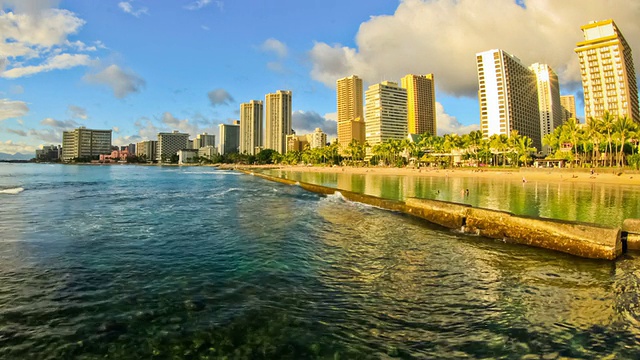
[[12, 191], [223, 193]]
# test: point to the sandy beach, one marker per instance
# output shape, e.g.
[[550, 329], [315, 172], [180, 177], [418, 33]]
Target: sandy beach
[[602, 176]]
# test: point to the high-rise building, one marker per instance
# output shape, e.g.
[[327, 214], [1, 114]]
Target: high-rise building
[[568, 103], [317, 139], [278, 120], [251, 128], [421, 103], [350, 110], [548, 99], [229, 138], [386, 112], [83, 143], [147, 150], [508, 96], [203, 140], [170, 143], [608, 75]]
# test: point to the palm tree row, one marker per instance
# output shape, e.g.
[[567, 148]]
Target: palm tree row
[[606, 141]]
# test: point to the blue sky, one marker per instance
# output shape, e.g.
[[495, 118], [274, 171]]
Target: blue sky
[[143, 66]]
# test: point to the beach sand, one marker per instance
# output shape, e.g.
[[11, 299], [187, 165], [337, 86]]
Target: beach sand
[[602, 176]]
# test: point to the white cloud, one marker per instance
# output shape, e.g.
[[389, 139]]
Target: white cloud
[[45, 28], [128, 8], [443, 36], [59, 124], [198, 4], [304, 122], [219, 97], [331, 116], [205, 27], [116, 129], [77, 112], [57, 62], [51, 136], [275, 46], [12, 109], [122, 82], [17, 132], [447, 124], [10, 147], [146, 129]]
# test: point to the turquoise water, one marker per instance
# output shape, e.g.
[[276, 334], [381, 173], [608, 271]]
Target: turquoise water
[[604, 204], [133, 262]]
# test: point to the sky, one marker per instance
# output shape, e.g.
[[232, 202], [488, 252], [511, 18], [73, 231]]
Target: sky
[[143, 66]]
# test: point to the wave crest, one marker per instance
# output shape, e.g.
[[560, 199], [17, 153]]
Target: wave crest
[[12, 191]]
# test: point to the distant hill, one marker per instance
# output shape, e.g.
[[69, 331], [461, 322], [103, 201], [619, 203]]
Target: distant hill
[[16, 156]]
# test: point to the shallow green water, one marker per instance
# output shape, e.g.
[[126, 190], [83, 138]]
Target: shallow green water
[[595, 203]]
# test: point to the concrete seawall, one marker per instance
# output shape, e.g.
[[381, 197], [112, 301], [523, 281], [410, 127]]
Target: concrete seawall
[[580, 239]]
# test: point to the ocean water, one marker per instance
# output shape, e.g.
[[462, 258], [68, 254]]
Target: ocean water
[[135, 262], [599, 203]]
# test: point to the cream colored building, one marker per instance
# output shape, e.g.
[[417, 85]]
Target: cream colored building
[[297, 142], [421, 103], [386, 112], [350, 110], [83, 143], [278, 120], [549, 106], [170, 143], [251, 128], [203, 140], [317, 139], [568, 103], [608, 75], [507, 96], [147, 149]]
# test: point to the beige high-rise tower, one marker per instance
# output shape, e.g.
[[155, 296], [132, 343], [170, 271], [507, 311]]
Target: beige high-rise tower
[[608, 76], [508, 96], [250, 127], [386, 109], [350, 110], [568, 103], [278, 120], [421, 103]]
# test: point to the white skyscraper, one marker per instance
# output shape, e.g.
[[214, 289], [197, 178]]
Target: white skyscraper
[[549, 104], [508, 96], [385, 112]]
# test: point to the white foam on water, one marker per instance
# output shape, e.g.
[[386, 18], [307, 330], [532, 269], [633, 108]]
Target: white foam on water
[[12, 191], [223, 193]]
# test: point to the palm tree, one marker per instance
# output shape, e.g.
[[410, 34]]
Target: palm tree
[[624, 128], [606, 125]]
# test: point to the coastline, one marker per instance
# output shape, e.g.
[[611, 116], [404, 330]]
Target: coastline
[[601, 176]]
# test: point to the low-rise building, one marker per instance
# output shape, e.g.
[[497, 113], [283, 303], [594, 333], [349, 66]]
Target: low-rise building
[[49, 153], [208, 152], [187, 156], [146, 150]]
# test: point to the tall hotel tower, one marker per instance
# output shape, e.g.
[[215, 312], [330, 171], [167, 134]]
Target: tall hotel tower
[[421, 103], [350, 110], [278, 120], [568, 103], [386, 111], [250, 127], [549, 105], [508, 96], [608, 77]]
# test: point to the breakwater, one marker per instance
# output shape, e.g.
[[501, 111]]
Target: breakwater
[[576, 238]]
